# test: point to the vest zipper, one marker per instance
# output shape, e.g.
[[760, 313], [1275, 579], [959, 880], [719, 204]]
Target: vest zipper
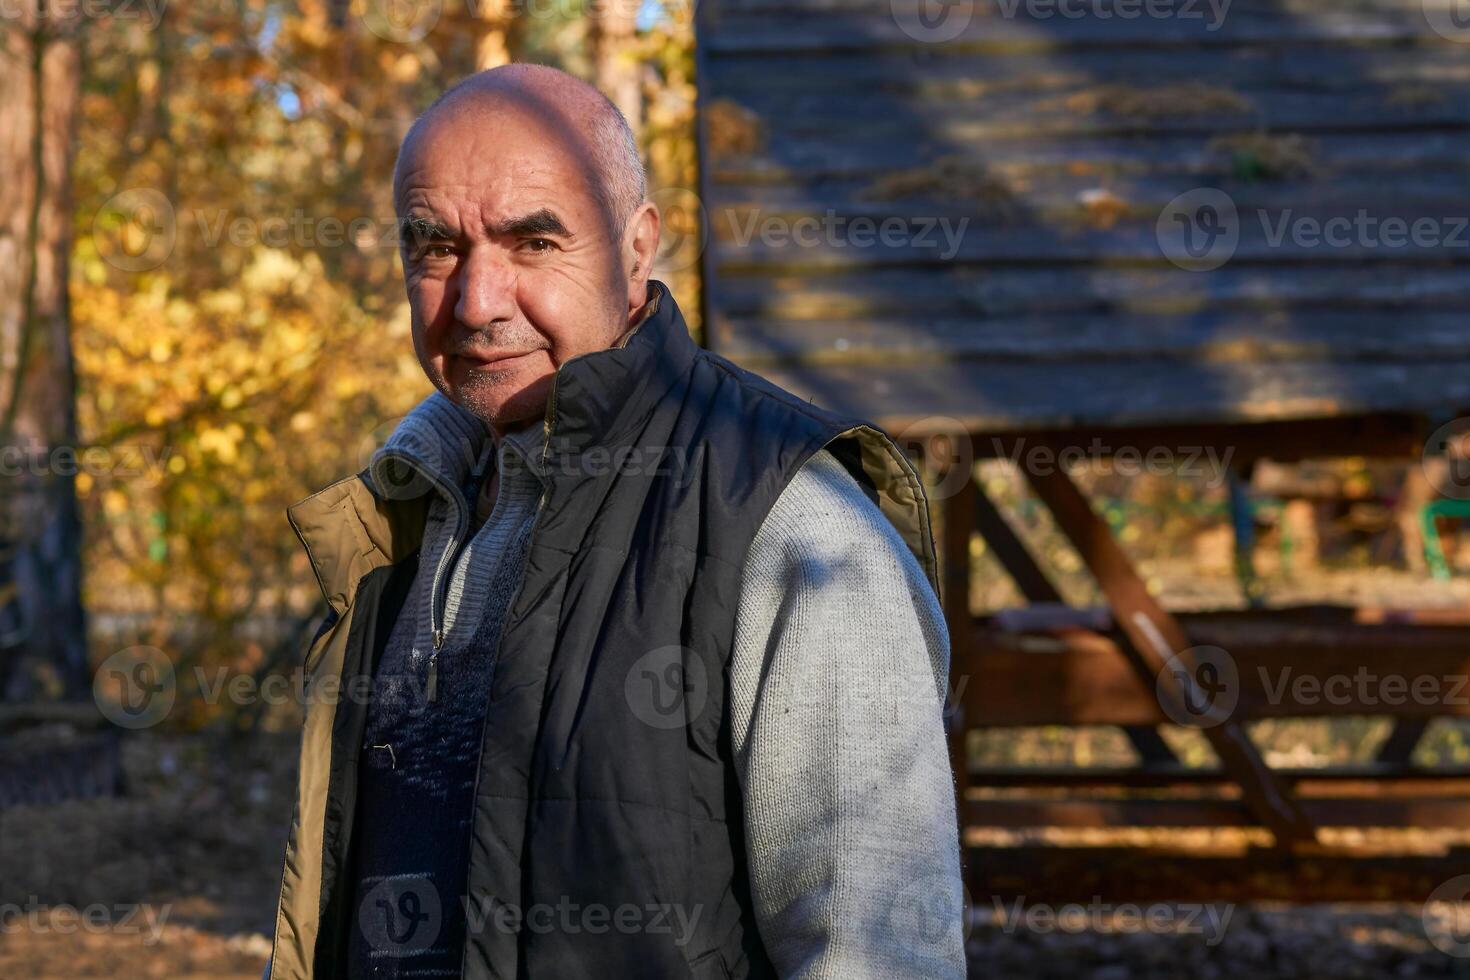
[[499, 645], [546, 426]]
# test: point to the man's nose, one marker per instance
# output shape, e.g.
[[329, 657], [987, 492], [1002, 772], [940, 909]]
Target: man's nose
[[487, 290]]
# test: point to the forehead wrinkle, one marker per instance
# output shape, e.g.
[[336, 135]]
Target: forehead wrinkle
[[511, 104]]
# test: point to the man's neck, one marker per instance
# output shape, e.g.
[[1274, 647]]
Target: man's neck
[[499, 432]]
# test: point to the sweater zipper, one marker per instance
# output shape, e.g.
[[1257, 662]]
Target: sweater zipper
[[436, 610], [438, 603]]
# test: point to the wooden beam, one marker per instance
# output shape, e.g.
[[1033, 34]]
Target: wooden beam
[[1178, 778], [1401, 742], [1074, 676], [1155, 639], [1012, 552], [1034, 584], [1241, 873], [1346, 811], [959, 524]]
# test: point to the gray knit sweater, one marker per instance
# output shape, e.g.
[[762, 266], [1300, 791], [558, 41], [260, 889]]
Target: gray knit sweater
[[837, 682]]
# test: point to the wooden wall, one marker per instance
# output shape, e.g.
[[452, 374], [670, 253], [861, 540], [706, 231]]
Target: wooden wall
[[1061, 141]]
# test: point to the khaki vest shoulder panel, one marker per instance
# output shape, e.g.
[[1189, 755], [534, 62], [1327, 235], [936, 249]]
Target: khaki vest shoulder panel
[[347, 531], [901, 495]]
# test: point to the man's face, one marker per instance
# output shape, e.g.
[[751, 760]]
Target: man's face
[[512, 263]]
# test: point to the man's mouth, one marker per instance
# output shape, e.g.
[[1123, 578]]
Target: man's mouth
[[490, 359]]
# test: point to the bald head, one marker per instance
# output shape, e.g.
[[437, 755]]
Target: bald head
[[576, 115], [527, 240]]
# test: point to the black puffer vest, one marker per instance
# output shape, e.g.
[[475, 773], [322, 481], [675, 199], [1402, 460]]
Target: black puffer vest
[[608, 833]]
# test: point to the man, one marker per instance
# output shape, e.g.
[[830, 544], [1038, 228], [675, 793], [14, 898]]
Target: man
[[655, 663]]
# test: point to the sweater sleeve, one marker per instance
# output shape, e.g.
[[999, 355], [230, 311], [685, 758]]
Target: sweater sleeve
[[837, 676]]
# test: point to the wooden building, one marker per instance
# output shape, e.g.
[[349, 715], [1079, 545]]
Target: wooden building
[[1167, 223]]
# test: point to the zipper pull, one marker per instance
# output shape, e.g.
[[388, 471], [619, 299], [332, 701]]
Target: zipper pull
[[431, 685]]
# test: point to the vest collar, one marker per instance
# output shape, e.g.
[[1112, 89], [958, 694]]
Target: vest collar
[[601, 399], [598, 399]]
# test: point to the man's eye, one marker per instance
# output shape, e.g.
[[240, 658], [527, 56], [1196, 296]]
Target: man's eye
[[539, 245], [438, 251]]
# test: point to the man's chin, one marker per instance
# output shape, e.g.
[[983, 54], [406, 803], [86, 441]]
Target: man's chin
[[505, 403]]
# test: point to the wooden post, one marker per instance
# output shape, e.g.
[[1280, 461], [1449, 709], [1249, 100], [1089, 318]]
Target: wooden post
[[1034, 584], [959, 524]]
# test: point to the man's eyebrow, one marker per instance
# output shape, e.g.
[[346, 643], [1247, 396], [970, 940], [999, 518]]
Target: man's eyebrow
[[424, 228], [535, 224]]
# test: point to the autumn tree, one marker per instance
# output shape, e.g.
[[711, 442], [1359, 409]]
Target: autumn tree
[[42, 635], [242, 333]]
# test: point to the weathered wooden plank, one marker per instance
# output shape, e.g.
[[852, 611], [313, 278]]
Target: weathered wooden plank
[[1398, 72], [856, 154], [1301, 221], [1117, 8], [1406, 778], [828, 243], [1001, 871], [785, 115], [982, 397], [1440, 194], [1046, 106], [1215, 337], [969, 128], [1282, 669], [805, 30], [973, 291], [982, 811]]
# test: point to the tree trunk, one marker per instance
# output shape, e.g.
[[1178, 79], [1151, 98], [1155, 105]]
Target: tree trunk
[[492, 48], [42, 633], [614, 33]]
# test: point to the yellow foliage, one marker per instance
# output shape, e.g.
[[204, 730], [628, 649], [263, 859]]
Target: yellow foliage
[[243, 370]]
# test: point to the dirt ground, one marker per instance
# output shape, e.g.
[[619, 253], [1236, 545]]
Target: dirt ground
[[177, 880]]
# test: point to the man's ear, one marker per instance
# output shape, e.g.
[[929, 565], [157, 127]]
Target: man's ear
[[640, 246]]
